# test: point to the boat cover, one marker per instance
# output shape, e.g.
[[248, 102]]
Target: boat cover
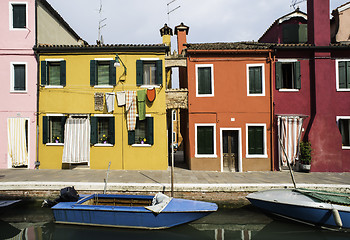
[[159, 202], [326, 196]]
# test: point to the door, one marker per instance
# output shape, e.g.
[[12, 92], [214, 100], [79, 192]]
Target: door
[[230, 150]]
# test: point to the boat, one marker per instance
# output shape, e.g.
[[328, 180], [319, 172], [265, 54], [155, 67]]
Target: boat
[[323, 209], [131, 211], [5, 204]]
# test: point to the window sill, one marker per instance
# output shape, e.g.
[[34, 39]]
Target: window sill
[[343, 89], [150, 86], [53, 86], [288, 90], [205, 156], [54, 144], [103, 145], [256, 95], [103, 86], [346, 147], [20, 92], [141, 145], [256, 156], [205, 95]]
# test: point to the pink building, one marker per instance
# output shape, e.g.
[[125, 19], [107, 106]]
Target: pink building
[[18, 75]]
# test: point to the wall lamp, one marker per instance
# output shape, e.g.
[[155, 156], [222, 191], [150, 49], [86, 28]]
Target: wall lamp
[[117, 63]]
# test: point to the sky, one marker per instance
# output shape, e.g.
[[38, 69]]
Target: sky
[[139, 21]]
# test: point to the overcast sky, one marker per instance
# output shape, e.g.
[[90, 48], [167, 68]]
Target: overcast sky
[[139, 21]]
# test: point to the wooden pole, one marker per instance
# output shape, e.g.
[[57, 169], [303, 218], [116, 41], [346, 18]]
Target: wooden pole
[[106, 179], [290, 169], [172, 155]]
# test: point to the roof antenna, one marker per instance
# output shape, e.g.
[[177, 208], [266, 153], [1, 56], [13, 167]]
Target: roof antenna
[[170, 11], [296, 2], [100, 25]]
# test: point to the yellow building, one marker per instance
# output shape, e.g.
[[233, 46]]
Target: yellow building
[[96, 106]]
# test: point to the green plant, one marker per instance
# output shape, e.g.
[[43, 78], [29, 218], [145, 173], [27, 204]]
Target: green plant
[[305, 152]]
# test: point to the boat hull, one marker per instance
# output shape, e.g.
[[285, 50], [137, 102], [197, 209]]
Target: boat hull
[[178, 211], [297, 207]]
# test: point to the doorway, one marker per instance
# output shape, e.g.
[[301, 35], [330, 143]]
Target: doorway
[[230, 150]]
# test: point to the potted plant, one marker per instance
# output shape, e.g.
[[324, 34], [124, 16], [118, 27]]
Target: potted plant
[[305, 156]]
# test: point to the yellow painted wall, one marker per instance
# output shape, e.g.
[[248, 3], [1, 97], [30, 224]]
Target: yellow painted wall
[[77, 97]]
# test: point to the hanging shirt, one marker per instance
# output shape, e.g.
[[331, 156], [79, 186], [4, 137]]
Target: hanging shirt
[[141, 102]]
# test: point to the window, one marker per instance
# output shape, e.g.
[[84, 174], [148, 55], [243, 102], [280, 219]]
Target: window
[[343, 75], [295, 33], [18, 15], [53, 73], [143, 133], [255, 80], [256, 141], [204, 80], [18, 82], [149, 72], [288, 75], [205, 140], [174, 137], [102, 72], [174, 115], [102, 130], [53, 129], [344, 128]]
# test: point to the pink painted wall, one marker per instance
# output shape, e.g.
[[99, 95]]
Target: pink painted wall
[[16, 46]]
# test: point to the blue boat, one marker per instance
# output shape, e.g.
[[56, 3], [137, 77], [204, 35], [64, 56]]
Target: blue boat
[[318, 208], [131, 211]]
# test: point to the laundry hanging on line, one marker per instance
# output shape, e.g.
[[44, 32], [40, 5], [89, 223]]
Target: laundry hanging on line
[[98, 97], [121, 98], [110, 101], [141, 103], [130, 101]]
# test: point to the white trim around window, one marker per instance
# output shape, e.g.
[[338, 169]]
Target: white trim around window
[[11, 16], [265, 141], [12, 77], [337, 75], [212, 80], [214, 155], [343, 117], [262, 65]]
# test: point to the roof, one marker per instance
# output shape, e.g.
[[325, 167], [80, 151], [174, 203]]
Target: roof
[[60, 19], [228, 46], [343, 7]]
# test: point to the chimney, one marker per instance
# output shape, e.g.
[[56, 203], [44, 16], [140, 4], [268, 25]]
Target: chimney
[[318, 16], [166, 32], [181, 31]]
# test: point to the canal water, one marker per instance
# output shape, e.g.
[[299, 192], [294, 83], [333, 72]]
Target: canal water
[[29, 221]]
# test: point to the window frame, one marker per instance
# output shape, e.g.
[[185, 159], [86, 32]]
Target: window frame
[[338, 89], [262, 65], [264, 138], [150, 60], [11, 28], [108, 144], [174, 113], [147, 133], [47, 63], [49, 129], [337, 119], [285, 61], [212, 80], [214, 155], [12, 76], [96, 85]]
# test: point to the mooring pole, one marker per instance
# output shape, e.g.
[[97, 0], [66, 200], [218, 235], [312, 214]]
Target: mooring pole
[[172, 155], [106, 179]]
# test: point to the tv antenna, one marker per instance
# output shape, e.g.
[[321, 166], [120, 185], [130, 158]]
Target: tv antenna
[[296, 2], [172, 10], [100, 25]]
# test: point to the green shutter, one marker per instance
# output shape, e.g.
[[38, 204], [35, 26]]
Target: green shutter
[[297, 75], [19, 15], [347, 80], [93, 133], [291, 33], [279, 75], [43, 72], [63, 73], [255, 80], [204, 80], [45, 129], [342, 74], [205, 140], [150, 129], [302, 33], [92, 73], [131, 137], [255, 140], [112, 73], [19, 77], [139, 72], [159, 74], [111, 130]]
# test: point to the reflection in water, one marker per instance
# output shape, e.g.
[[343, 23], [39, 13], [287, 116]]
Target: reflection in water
[[242, 224]]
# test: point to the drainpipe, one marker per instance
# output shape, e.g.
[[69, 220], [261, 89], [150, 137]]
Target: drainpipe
[[272, 61], [37, 163]]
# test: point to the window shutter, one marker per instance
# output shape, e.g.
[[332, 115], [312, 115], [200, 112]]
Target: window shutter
[[159, 69], [19, 15], [63, 123], [63, 73], [111, 130], [342, 74], [205, 140], [302, 33], [255, 140], [45, 129], [279, 75], [20, 77], [291, 33], [150, 129], [347, 80], [43, 72], [93, 137], [255, 80], [131, 137], [297, 75], [92, 73], [112, 73], [139, 72]]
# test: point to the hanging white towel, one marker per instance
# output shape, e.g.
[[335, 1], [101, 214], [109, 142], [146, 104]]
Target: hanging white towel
[[110, 101], [17, 142], [121, 98], [76, 141]]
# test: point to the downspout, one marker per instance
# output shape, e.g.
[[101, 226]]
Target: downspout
[[37, 163], [272, 61]]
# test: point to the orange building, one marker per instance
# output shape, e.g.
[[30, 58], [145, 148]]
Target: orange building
[[229, 106]]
